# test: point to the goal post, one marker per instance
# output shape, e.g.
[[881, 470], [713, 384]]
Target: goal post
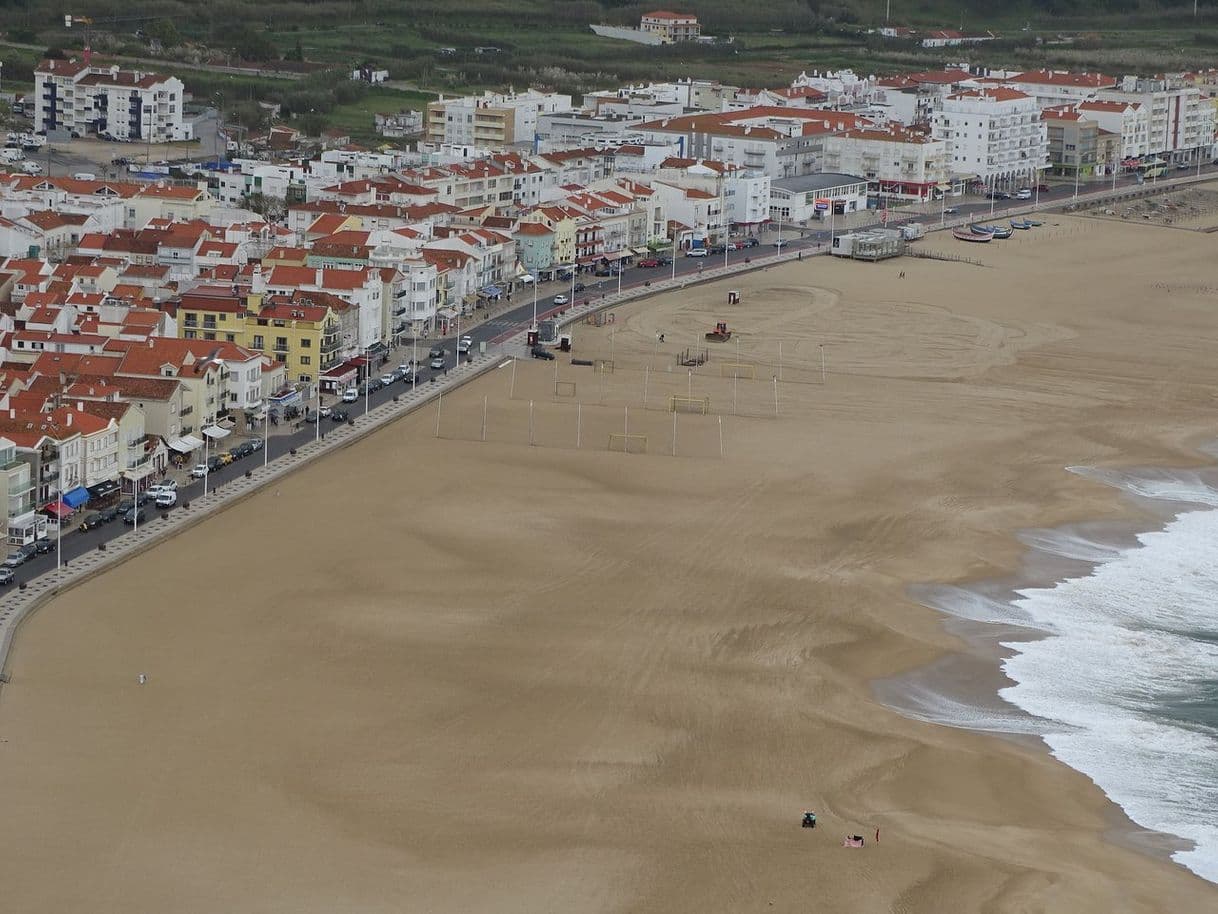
[[689, 405], [627, 444], [604, 366], [564, 388], [739, 370]]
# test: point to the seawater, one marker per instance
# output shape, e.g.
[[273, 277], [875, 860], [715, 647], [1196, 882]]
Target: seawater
[[1118, 673]]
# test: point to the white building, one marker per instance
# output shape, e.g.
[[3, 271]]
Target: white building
[[1180, 119], [995, 135], [130, 105], [779, 142], [1059, 87], [699, 211], [745, 194], [1128, 120], [902, 164], [795, 200]]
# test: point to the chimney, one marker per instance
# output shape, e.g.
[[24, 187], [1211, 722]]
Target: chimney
[[12, 413], [68, 421], [151, 344], [80, 405]]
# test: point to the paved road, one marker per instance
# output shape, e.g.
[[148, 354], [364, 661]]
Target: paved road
[[518, 316]]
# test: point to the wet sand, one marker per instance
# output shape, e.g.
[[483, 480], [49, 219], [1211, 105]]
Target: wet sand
[[443, 674]]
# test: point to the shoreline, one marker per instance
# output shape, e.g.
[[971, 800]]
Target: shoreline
[[984, 652]]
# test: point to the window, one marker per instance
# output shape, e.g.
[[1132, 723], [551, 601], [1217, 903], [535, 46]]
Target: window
[[230, 337], [258, 343], [306, 360], [306, 343]]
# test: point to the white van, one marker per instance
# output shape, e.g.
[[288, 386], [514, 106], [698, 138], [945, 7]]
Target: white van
[[11, 155], [85, 176], [30, 167]]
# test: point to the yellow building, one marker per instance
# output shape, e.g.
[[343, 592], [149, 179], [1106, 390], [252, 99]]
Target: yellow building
[[300, 332], [671, 27], [221, 317], [560, 221]]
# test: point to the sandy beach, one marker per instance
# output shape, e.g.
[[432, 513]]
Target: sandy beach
[[441, 674]]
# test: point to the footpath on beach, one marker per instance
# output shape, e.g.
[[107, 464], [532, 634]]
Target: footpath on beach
[[18, 603]]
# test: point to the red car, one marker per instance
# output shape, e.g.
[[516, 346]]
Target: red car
[[649, 262]]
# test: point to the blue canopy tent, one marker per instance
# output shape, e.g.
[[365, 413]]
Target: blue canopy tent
[[74, 498]]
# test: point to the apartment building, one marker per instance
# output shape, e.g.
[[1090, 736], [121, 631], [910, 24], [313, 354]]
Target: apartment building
[[1129, 121], [900, 163], [778, 142], [492, 120], [1059, 87], [994, 135], [1180, 119], [129, 105], [745, 194], [299, 331], [671, 27]]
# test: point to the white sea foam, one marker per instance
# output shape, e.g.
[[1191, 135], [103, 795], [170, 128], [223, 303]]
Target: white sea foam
[[964, 603], [1120, 681], [1069, 545], [1186, 486]]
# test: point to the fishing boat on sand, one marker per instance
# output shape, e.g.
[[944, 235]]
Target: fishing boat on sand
[[1023, 226], [981, 238], [981, 230]]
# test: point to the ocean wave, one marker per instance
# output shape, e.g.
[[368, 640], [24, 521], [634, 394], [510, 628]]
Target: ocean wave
[[1123, 681]]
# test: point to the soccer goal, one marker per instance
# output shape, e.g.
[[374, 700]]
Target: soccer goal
[[564, 388], [627, 444], [739, 370], [605, 366], [689, 405]]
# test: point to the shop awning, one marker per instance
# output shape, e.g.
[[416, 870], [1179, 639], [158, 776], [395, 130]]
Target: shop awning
[[102, 489], [134, 474], [447, 313], [185, 444], [74, 498], [492, 290], [57, 508], [214, 431]]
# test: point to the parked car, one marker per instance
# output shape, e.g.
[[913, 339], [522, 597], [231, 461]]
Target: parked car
[[561, 300], [20, 556], [578, 287], [223, 459], [91, 520], [44, 545], [312, 416], [134, 516], [1024, 193], [564, 275], [1184, 166], [200, 470], [465, 344], [407, 374], [109, 514], [167, 499], [649, 263], [339, 415], [696, 252], [750, 242], [243, 450], [373, 385], [387, 378], [350, 395], [1043, 188], [950, 211], [165, 485], [437, 363], [719, 249], [6, 575], [214, 463], [435, 352], [541, 353]]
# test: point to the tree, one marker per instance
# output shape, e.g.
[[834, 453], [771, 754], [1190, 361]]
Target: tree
[[297, 53], [251, 45], [164, 31], [273, 209]]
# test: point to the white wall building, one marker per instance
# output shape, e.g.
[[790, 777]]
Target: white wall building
[[995, 134], [1128, 120], [902, 164], [1180, 119], [130, 105]]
